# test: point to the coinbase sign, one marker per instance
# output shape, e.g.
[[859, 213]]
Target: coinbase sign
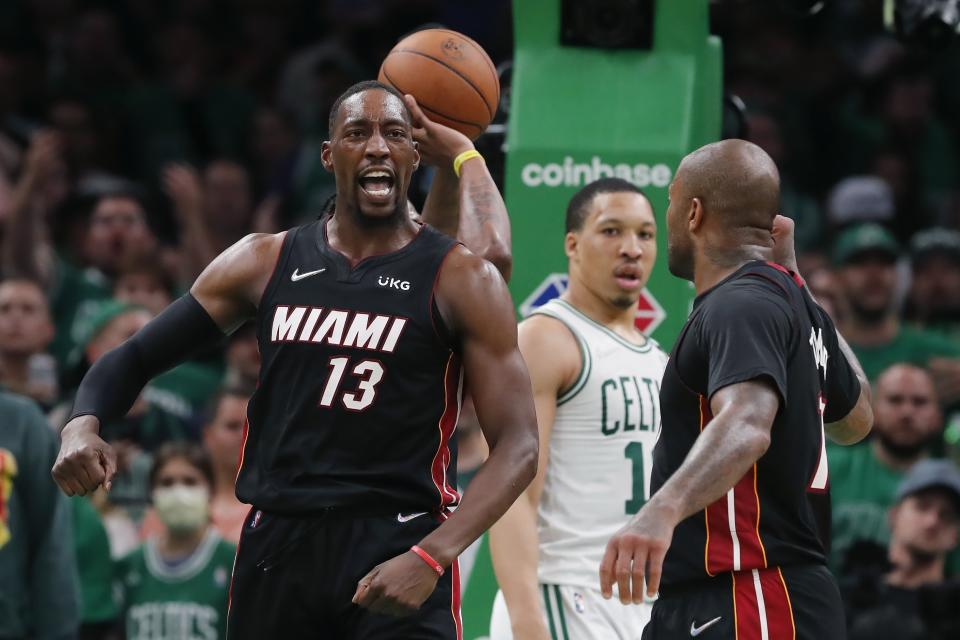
[[570, 173]]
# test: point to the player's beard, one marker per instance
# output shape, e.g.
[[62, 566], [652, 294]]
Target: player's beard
[[680, 260], [623, 302]]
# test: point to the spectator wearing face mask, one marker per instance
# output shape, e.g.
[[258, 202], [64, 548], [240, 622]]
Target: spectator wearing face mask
[[175, 585], [223, 432], [864, 479], [914, 600]]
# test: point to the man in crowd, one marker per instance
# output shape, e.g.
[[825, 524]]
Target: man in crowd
[[934, 298], [864, 479], [38, 593], [25, 332], [866, 256], [915, 601]]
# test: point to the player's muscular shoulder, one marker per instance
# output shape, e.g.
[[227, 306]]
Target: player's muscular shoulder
[[470, 289], [550, 351], [231, 286]]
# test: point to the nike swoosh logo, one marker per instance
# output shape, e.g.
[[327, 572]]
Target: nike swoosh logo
[[296, 275], [408, 518], [695, 630]]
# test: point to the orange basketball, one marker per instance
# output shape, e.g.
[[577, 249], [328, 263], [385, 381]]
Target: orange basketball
[[450, 75]]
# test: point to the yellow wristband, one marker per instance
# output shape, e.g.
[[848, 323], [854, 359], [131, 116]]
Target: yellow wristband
[[463, 157]]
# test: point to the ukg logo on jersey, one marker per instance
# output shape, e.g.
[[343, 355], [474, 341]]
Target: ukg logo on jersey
[[577, 174]]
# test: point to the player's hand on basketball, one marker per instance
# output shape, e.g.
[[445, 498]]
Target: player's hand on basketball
[[635, 552], [397, 587], [85, 461], [438, 144], [784, 252]]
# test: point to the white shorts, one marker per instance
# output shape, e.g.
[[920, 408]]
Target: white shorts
[[575, 613]]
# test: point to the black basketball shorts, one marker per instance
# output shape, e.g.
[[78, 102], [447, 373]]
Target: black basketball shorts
[[294, 577], [789, 603]]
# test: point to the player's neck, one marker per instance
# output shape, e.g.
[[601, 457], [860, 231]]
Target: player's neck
[[357, 240], [602, 312], [909, 573], [713, 265]]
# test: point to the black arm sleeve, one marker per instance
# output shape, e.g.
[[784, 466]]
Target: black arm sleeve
[[115, 380], [747, 336]]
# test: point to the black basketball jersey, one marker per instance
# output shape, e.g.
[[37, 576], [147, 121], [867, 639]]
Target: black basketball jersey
[[758, 323], [359, 388]]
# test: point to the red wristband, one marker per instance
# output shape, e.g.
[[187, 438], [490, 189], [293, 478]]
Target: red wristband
[[426, 557]]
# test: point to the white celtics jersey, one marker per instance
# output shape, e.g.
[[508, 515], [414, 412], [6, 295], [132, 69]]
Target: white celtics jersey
[[601, 448]]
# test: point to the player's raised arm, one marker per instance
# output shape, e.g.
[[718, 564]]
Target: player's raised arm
[[476, 214], [553, 360], [845, 377], [225, 295]]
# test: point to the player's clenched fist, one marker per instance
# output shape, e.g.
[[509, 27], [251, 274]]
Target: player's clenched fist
[[637, 550], [397, 587], [85, 461]]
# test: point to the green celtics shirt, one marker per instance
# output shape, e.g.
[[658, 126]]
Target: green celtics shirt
[[862, 490], [186, 601], [911, 345]]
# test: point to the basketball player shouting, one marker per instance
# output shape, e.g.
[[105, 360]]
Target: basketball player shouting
[[367, 325], [756, 376], [596, 385]]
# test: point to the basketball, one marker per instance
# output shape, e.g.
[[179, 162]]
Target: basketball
[[450, 75]]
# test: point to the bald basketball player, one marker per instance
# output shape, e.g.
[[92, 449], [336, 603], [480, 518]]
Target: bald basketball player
[[756, 378]]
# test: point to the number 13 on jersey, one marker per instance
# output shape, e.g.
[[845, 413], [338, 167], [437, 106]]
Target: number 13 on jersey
[[369, 373]]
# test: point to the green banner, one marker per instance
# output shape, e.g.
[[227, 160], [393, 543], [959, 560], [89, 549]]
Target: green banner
[[579, 114]]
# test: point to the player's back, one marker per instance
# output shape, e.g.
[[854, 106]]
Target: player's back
[[759, 323], [601, 448], [359, 387]]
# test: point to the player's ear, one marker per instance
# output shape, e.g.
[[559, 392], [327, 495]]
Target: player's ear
[[570, 243], [416, 155], [695, 214], [326, 156]]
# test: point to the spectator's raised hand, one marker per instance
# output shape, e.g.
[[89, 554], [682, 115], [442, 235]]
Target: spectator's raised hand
[[438, 144], [41, 158], [182, 185]]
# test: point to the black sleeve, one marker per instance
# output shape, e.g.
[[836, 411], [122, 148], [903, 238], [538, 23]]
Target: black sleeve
[[842, 385], [115, 380], [746, 335]]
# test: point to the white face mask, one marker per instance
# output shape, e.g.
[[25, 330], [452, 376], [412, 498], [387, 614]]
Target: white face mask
[[181, 508]]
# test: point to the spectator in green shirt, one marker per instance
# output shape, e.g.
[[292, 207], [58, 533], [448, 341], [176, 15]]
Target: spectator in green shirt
[[934, 299], [866, 256], [864, 478]]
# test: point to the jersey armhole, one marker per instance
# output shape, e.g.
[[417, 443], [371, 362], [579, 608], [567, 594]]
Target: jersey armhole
[[586, 361], [282, 256], [444, 334]]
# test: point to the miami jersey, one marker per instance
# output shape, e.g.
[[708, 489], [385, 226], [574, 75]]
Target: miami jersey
[[601, 448], [187, 601]]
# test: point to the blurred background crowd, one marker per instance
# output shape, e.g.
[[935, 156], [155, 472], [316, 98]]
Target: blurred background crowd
[[138, 139]]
